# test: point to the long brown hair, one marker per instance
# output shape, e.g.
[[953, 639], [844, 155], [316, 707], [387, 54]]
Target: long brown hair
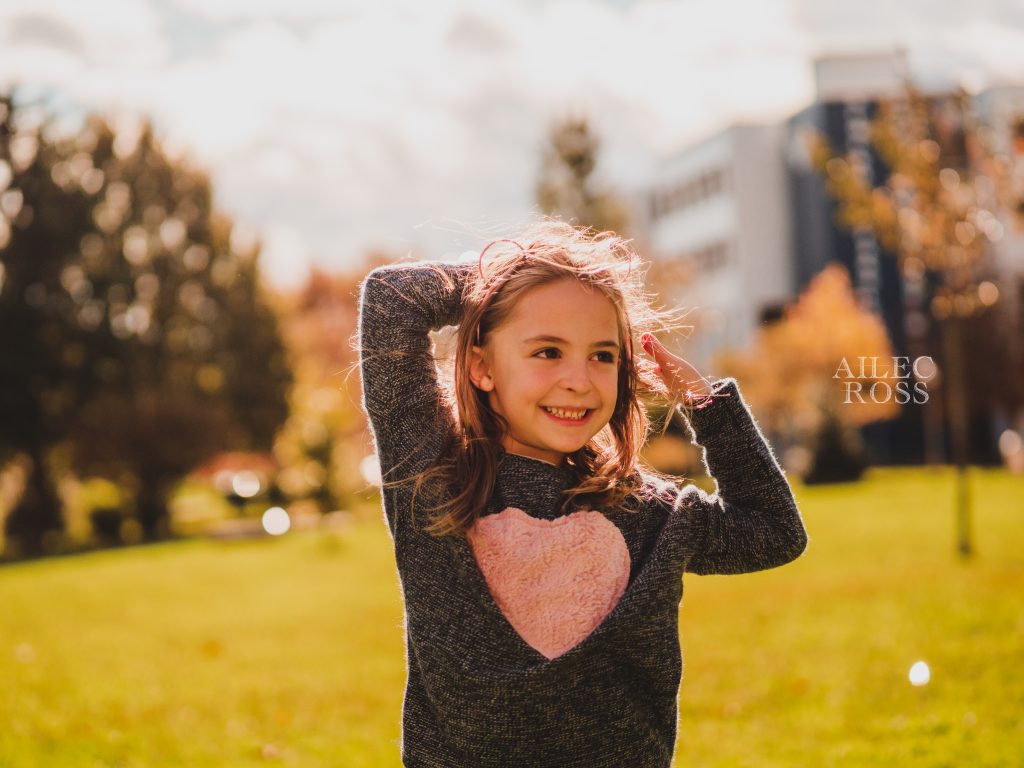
[[605, 470]]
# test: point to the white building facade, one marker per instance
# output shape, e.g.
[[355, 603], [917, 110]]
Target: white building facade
[[720, 209]]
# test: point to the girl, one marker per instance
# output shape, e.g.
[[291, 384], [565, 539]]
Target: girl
[[542, 596]]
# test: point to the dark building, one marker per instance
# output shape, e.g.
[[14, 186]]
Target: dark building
[[849, 92]]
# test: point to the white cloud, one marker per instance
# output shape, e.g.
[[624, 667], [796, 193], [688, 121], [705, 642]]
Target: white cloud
[[285, 253], [122, 32], [303, 10], [332, 126], [943, 39]]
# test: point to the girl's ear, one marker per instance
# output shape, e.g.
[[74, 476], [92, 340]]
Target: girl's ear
[[479, 370]]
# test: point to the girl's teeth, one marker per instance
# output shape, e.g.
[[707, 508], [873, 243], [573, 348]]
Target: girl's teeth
[[574, 415]]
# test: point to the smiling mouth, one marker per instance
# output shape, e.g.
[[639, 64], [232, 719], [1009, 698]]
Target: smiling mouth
[[565, 416]]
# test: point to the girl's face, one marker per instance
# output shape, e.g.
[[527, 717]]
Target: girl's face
[[559, 349]]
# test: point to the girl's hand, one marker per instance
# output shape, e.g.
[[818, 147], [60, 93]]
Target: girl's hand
[[681, 378]]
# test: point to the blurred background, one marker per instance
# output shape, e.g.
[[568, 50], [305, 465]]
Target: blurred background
[[190, 194]]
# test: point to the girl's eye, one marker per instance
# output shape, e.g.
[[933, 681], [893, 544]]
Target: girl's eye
[[609, 357]]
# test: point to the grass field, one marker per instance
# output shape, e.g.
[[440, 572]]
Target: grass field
[[289, 651]]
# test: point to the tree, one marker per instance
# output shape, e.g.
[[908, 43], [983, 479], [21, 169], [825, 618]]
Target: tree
[[566, 187], [793, 375], [43, 376], [138, 331], [938, 208], [322, 444]]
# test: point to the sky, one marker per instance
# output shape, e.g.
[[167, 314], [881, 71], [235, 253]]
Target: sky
[[332, 127]]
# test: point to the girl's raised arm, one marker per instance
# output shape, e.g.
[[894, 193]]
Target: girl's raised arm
[[752, 521], [399, 305]]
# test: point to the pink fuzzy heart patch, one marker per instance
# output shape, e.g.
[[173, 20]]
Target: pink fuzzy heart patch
[[554, 580]]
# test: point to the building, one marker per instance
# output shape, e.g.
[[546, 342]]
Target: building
[[848, 90], [719, 208], [751, 219]]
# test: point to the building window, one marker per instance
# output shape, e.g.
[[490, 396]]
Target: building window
[[707, 258], [686, 193]]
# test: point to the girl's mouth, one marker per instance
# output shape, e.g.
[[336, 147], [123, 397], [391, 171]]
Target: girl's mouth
[[567, 417]]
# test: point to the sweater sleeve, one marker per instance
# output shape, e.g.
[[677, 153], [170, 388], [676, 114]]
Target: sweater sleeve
[[399, 306], [751, 522]]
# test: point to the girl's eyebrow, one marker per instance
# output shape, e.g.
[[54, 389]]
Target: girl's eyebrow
[[557, 340]]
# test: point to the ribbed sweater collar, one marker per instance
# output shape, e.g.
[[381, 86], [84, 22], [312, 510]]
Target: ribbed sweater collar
[[533, 485]]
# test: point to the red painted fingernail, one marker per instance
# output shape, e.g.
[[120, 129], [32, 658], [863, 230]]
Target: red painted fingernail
[[647, 342]]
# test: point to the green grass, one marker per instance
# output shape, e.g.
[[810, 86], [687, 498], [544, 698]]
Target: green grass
[[290, 651]]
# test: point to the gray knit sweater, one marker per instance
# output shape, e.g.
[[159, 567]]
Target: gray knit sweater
[[485, 687]]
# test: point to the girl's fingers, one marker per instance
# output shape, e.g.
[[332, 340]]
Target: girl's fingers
[[657, 350], [647, 342], [674, 371]]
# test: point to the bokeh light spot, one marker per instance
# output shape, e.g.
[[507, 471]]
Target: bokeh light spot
[[276, 521], [245, 484], [920, 674]]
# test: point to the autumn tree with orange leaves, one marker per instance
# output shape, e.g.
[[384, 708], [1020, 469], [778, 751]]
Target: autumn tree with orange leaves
[[325, 448], [789, 374]]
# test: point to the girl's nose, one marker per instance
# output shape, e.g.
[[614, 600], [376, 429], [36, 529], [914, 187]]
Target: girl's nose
[[576, 377]]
